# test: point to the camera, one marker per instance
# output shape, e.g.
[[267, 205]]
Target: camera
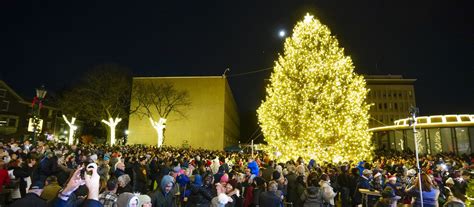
[[87, 168]]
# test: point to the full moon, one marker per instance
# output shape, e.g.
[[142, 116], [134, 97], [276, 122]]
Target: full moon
[[282, 33]]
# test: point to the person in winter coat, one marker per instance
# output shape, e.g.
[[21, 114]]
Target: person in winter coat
[[119, 169], [429, 191], [234, 193], [51, 189], [291, 187], [127, 200], [4, 178], [124, 184], [328, 192], [221, 200], [164, 196], [270, 197], [313, 196], [300, 188], [200, 196], [21, 171], [32, 198], [140, 177]]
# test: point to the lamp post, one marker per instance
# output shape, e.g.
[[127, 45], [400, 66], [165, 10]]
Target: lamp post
[[36, 108], [125, 137]]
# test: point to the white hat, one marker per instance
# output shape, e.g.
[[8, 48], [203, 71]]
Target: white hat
[[367, 172]]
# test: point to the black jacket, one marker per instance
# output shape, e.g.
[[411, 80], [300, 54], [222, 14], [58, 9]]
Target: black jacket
[[30, 200], [200, 196], [269, 199]]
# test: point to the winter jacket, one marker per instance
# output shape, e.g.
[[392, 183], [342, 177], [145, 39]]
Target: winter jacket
[[270, 199], [312, 197], [291, 187], [328, 192], [200, 196], [50, 191], [160, 198], [30, 199]]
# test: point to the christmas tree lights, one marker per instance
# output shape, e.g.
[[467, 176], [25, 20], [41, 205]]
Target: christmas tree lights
[[315, 104]]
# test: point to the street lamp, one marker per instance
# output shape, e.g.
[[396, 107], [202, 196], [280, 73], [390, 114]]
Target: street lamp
[[36, 107], [126, 136]]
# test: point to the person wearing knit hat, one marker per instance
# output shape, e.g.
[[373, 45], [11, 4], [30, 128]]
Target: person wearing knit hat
[[224, 179], [144, 201], [127, 200]]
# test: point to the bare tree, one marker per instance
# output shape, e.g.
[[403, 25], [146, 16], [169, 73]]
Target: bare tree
[[157, 101], [102, 95]]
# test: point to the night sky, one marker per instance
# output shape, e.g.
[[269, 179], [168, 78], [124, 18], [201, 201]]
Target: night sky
[[54, 42]]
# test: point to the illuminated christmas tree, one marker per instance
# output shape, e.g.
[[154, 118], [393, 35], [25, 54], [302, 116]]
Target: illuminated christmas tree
[[315, 104]]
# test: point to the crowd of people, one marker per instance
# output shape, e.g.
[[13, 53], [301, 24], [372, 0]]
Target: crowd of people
[[55, 174]]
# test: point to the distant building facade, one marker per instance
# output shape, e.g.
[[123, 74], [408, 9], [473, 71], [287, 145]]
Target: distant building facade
[[436, 134], [15, 113], [391, 96], [211, 122]]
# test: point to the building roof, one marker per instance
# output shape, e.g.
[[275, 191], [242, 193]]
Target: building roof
[[18, 97], [452, 120], [177, 77], [21, 99], [388, 80]]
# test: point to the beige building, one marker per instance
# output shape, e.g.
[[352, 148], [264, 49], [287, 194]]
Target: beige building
[[392, 96], [211, 122]]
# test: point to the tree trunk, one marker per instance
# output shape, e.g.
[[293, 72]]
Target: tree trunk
[[72, 129], [159, 126], [112, 123]]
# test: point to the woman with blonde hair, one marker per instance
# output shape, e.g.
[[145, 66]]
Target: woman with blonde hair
[[429, 192]]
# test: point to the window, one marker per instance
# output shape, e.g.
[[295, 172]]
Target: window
[[4, 105], [462, 137], [395, 106], [49, 124], [3, 93], [12, 122], [380, 106], [385, 105], [50, 113]]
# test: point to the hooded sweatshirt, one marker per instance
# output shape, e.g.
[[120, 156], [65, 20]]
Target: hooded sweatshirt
[[124, 199], [160, 198]]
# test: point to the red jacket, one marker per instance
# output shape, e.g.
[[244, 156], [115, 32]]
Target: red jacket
[[4, 178]]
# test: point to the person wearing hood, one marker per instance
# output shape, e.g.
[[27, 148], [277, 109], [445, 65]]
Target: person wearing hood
[[127, 200], [164, 196], [200, 196]]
